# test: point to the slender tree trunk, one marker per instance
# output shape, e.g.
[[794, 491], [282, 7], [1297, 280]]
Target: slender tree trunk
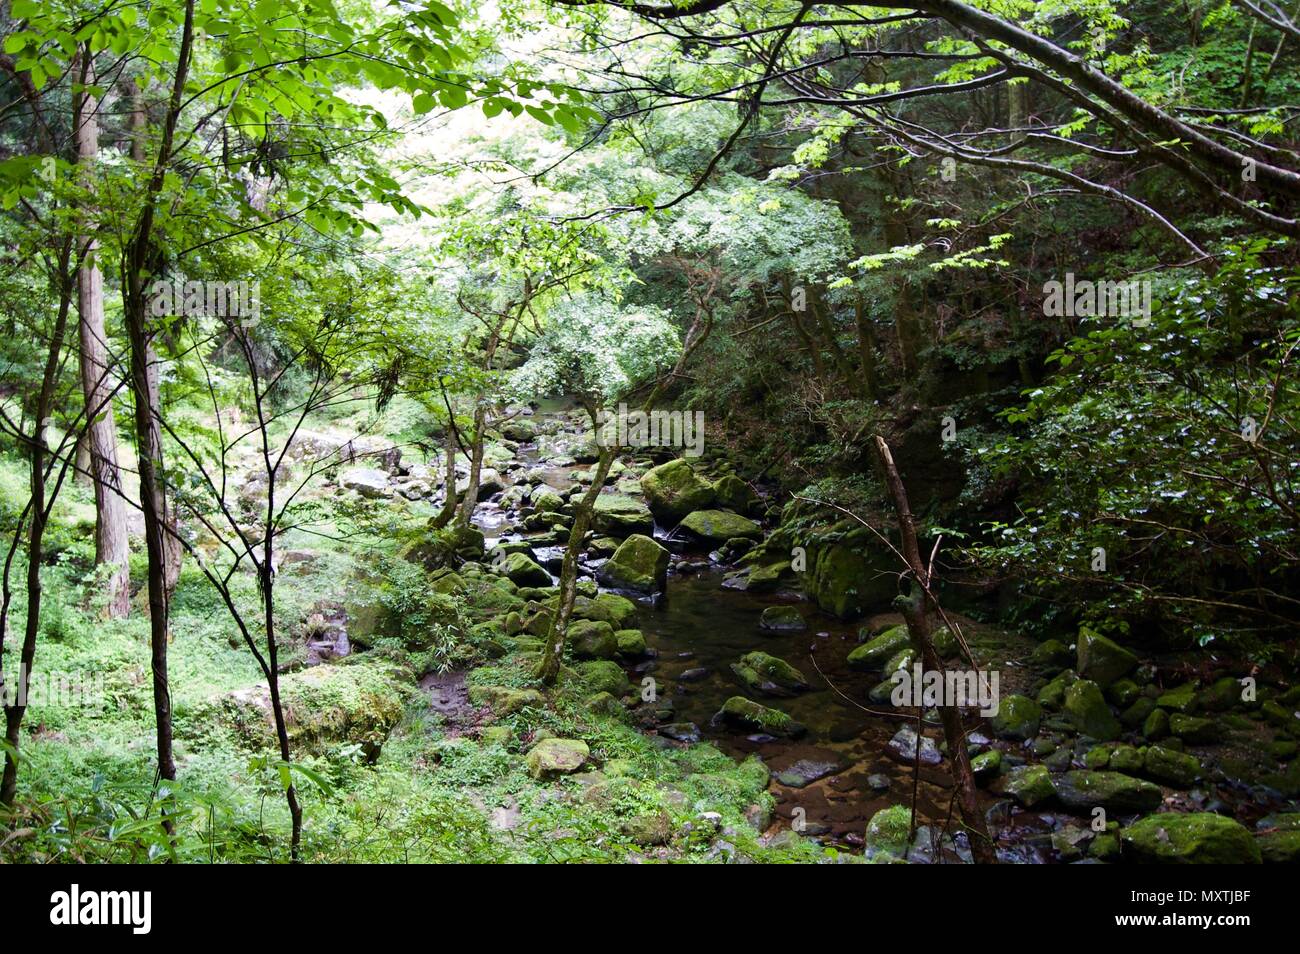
[[448, 511], [100, 440], [470, 500], [916, 613], [38, 456], [870, 388]]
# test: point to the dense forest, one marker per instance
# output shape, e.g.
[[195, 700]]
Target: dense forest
[[685, 431]]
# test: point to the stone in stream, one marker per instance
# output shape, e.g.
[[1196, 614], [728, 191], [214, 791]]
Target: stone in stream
[[369, 482], [639, 564], [986, 765], [697, 674], [1018, 717], [1082, 791], [592, 639], [602, 675], [631, 642], [769, 674], [888, 833], [606, 607], [687, 732], [719, 526], [902, 748], [1102, 660], [673, 490], [620, 515], [806, 771], [1027, 784], [734, 494], [521, 569], [553, 757], [874, 653], [739, 712], [782, 619], [1196, 838]]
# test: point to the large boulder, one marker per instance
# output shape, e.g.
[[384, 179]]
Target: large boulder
[[620, 515], [550, 758], [673, 490], [769, 675], [1082, 791], [734, 494], [718, 526], [1017, 717], [1088, 712], [606, 607], [1027, 784], [369, 482], [359, 702], [639, 564], [1199, 838], [850, 577], [592, 639], [522, 569], [1102, 660]]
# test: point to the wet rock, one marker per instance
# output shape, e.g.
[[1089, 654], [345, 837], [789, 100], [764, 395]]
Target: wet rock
[[697, 674], [605, 607], [742, 713], [1181, 699], [1196, 838], [1168, 767], [1088, 712], [1195, 730], [874, 653], [1018, 717], [1123, 693], [673, 490], [734, 494], [1052, 695], [769, 674], [986, 765], [520, 569], [847, 578], [1029, 785], [1052, 655], [1156, 726], [554, 757], [888, 834], [631, 642], [681, 732], [806, 771], [1102, 660], [718, 526], [620, 515], [782, 619], [1082, 791], [768, 577], [639, 564], [903, 748]]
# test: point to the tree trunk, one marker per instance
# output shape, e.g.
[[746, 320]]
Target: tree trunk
[[470, 500], [448, 511], [100, 439], [916, 613]]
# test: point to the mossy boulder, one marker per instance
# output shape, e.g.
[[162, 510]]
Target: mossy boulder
[[503, 700], [1018, 717], [1052, 655], [986, 765], [606, 607], [782, 619], [551, 758], [875, 652], [1195, 730], [888, 834], [674, 489], [1027, 784], [1082, 791], [846, 579], [631, 642], [620, 515], [592, 639], [768, 577], [1088, 712], [1179, 699], [1102, 660], [639, 564], [1198, 838], [1052, 695], [1163, 765], [519, 568], [357, 702], [769, 674], [1220, 696], [745, 714], [718, 526], [1156, 726], [601, 675], [733, 493]]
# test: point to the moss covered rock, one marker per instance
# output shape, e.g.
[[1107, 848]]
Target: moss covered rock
[[620, 515], [639, 564], [1028, 785], [1192, 839], [719, 526], [741, 713], [782, 619], [874, 653], [1177, 769], [503, 700], [1088, 712], [769, 674], [734, 494], [521, 569], [888, 834], [846, 579], [601, 675], [1082, 791], [1102, 660], [592, 639], [1052, 655], [674, 489], [1195, 730], [551, 758], [631, 642], [1017, 717]]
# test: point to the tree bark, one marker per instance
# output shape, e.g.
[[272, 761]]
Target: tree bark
[[916, 611], [100, 440]]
